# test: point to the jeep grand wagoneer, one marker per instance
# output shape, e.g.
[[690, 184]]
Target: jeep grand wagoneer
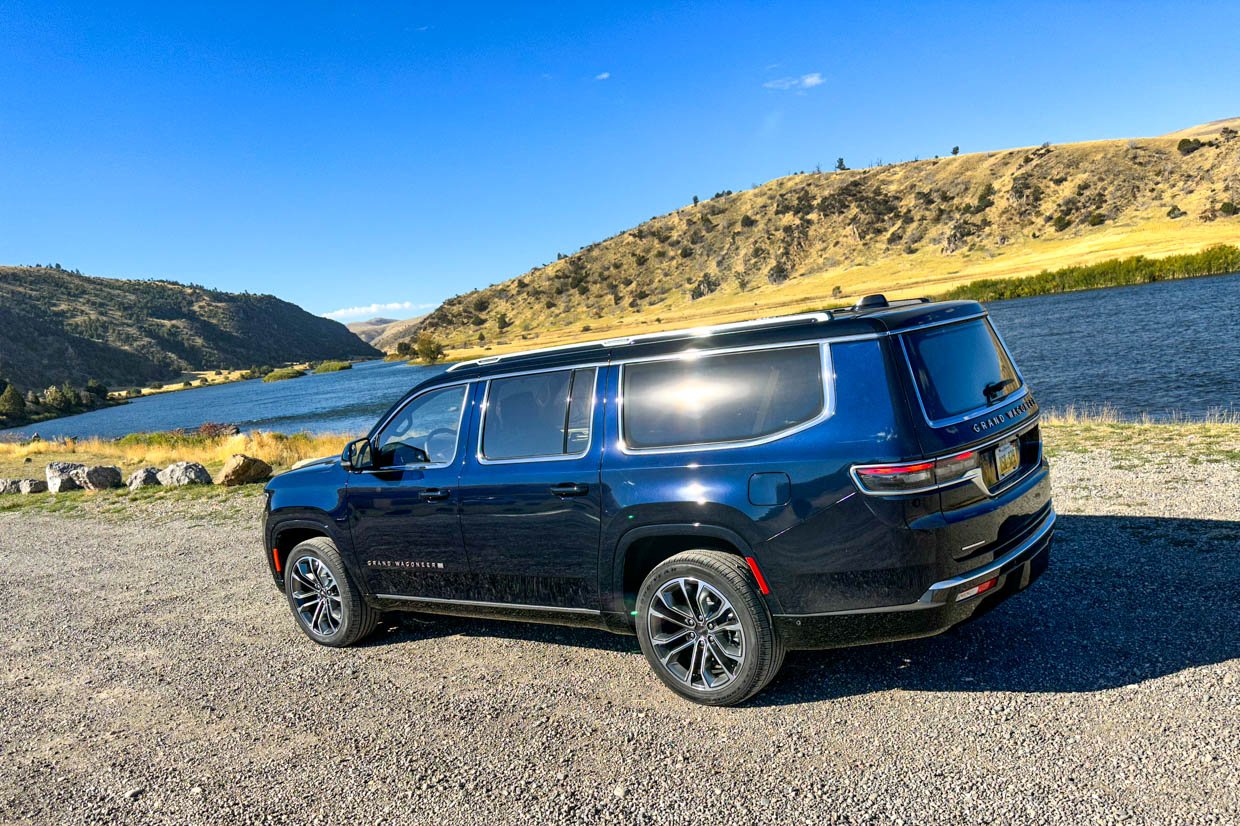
[[724, 493]]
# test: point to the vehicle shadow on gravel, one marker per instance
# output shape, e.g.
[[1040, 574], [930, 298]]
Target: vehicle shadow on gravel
[[1126, 599]]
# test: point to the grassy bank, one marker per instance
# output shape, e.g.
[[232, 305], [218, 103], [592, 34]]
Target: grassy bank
[[333, 366], [279, 450], [1138, 269]]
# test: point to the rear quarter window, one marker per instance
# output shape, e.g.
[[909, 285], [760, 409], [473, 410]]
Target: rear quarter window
[[960, 368], [714, 399]]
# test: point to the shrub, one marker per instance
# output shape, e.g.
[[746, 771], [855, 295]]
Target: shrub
[[283, 374], [1061, 223], [1097, 219], [747, 221], [1188, 146], [1228, 208], [334, 366], [429, 350], [1175, 212]]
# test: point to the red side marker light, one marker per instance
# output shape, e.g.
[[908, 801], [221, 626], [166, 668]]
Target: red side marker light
[[275, 558], [976, 590], [753, 566]]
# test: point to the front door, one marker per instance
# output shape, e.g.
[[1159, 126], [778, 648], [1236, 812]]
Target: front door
[[529, 490], [404, 512]]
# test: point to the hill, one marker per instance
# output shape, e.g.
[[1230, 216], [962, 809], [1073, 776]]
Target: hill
[[370, 329], [397, 332], [58, 326], [825, 238]]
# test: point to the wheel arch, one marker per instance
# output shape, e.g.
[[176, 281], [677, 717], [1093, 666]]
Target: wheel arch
[[639, 550], [287, 532]]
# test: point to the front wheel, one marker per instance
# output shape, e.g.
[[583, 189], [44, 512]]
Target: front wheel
[[705, 629], [328, 607]]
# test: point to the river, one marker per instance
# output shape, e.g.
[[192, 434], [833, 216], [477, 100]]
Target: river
[[1166, 349]]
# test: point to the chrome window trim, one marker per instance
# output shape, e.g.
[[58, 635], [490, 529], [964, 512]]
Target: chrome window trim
[[1008, 400], [554, 457], [974, 476], [456, 448], [479, 604], [828, 400]]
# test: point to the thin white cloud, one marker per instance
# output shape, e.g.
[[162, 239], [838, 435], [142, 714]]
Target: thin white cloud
[[602, 76], [375, 309], [808, 81]]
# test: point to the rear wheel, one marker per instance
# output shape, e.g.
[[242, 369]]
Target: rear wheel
[[705, 629], [328, 607]]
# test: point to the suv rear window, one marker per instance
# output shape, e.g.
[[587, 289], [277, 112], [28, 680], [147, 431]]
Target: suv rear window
[[959, 368], [538, 415], [731, 397]]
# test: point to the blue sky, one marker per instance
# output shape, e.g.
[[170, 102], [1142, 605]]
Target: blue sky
[[342, 156]]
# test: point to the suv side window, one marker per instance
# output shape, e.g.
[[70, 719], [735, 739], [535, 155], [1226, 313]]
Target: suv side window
[[538, 415], [424, 431], [714, 399]]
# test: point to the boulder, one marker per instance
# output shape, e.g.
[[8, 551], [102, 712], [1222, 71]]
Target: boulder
[[98, 477], [143, 478], [32, 486], [8, 486], [242, 470], [60, 476], [184, 473]]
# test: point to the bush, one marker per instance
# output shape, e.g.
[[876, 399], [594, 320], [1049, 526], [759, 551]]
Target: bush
[[1175, 212], [429, 350], [1228, 208], [1188, 146], [1061, 223], [1097, 219], [334, 366], [283, 374]]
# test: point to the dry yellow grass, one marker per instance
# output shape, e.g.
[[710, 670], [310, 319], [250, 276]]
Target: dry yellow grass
[[279, 450]]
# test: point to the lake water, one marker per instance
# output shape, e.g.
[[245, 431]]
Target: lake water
[[1169, 348]]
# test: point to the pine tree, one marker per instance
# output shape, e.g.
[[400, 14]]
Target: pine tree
[[12, 405]]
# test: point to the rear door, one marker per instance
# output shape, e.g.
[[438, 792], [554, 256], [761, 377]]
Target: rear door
[[529, 490]]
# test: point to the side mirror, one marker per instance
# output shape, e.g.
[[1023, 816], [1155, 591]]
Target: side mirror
[[357, 455]]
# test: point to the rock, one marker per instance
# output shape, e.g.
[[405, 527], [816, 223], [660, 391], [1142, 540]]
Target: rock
[[135, 793], [60, 476], [32, 486], [184, 473], [27, 460], [242, 470], [8, 486], [98, 477], [143, 478]]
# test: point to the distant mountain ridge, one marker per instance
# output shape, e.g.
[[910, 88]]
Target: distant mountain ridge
[[58, 326], [371, 328], [824, 238]]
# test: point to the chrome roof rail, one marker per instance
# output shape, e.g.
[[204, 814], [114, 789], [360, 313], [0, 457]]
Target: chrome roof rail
[[691, 332]]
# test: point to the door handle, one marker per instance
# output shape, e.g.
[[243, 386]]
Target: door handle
[[570, 489], [435, 494]]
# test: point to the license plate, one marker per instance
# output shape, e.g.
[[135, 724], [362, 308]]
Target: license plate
[[1007, 458]]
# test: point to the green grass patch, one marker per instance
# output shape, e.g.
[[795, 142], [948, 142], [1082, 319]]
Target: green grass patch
[[1118, 272], [333, 366], [283, 374]]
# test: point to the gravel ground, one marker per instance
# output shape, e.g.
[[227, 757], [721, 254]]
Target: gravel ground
[[150, 674]]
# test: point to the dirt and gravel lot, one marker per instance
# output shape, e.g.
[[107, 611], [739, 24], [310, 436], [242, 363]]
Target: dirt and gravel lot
[[151, 674]]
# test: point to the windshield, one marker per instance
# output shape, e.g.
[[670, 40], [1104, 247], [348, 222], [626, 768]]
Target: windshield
[[960, 367]]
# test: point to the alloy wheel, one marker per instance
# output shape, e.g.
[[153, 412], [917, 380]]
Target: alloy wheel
[[696, 633], [316, 596]]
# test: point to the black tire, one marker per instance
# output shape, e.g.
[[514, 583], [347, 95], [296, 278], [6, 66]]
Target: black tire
[[727, 575], [357, 617]]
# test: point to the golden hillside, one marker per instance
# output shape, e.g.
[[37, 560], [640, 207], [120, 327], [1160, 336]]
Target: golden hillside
[[915, 228]]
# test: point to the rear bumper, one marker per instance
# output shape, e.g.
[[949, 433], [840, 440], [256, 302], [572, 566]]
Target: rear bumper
[[938, 609]]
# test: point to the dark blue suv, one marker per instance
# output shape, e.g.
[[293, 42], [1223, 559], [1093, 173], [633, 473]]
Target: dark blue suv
[[725, 493]]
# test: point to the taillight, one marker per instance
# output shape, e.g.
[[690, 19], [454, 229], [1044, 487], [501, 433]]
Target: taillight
[[911, 477]]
